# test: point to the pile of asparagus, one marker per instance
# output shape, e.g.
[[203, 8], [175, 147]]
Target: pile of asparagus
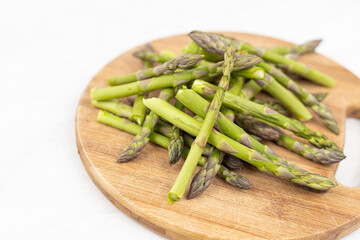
[[217, 78]]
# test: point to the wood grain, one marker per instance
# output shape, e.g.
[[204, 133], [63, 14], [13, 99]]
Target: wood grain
[[271, 209]]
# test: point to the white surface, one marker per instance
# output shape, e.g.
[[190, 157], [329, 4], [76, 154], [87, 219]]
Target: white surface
[[49, 50]]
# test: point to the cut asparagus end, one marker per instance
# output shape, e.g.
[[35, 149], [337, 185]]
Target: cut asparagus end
[[173, 197]]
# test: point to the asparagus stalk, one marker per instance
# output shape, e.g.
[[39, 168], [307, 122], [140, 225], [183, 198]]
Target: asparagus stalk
[[242, 64], [233, 163], [233, 178], [250, 89], [306, 97], [270, 85], [200, 181], [183, 62], [204, 177], [229, 160], [277, 167], [214, 43], [176, 144], [245, 106], [296, 51], [116, 107], [278, 107], [272, 133], [197, 147], [147, 53], [140, 140], [237, 83], [104, 117], [138, 111], [130, 127], [166, 130]]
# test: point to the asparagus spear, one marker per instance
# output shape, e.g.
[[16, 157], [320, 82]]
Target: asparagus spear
[[145, 55], [296, 51], [233, 178], [118, 108], [274, 105], [176, 144], [166, 130], [214, 43], [242, 105], [229, 160], [138, 110], [277, 167], [242, 64], [140, 140], [148, 54], [307, 98], [130, 127], [197, 147], [183, 62], [203, 178], [188, 140], [272, 133], [237, 83]]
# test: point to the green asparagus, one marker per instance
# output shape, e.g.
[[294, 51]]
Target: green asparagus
[[278, 107], [250, 89], [138, 110], [116, 107], [183, 62], [295, 51]]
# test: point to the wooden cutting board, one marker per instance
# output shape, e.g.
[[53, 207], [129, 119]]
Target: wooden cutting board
[[271, 209]]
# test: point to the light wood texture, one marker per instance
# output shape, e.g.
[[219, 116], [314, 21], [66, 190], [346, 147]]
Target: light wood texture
[[271, 209]]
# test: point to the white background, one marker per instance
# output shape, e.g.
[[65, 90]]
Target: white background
[[49, 50]]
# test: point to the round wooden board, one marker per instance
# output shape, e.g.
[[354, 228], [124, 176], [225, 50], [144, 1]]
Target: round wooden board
[[271, 209]]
